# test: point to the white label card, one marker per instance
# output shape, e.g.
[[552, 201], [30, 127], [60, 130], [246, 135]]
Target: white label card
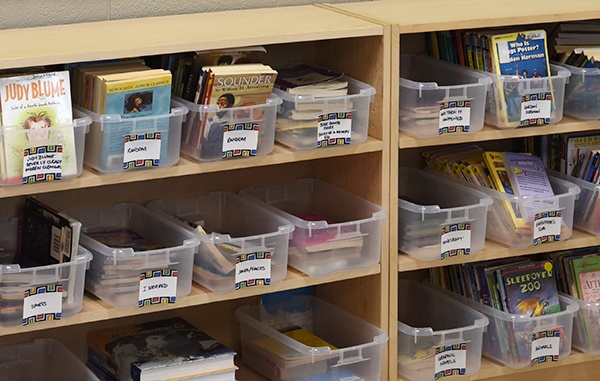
[[240, 140], [334, 129], [253, 269], [455, 240], [545, 346], [450, 360], [157, 287], [141, 150], [546, 227], [536, 109], [42, 303], [454, 117], [42, 163]]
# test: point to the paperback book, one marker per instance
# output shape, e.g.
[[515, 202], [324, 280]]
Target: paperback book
[[38, 141]]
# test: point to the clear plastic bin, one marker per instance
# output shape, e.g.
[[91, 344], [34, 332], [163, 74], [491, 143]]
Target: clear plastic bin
[[437, 336], [522, 221], [232, 133], [145, 259], [14, 281], [115, 144], [586, 326], [439, 218], [587, 206], [520, 102], [582, 92], [17, 142], [510, 338], [335, 230], [358, 345], [438, 97], [306, 123], [42, 359], [242, 245]]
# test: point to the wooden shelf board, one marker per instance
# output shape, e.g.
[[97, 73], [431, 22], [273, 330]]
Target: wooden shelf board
[[493, 250], [169, 34], [491, 133], [95, 310], [432, 15], [492, 370], [185, 167]]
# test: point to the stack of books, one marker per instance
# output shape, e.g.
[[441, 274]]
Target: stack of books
[[159, 350], [315, 83]]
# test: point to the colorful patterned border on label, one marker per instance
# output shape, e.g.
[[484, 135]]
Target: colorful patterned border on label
[[146, 162], [455, 252], [58, 148], [536, 97], [240, 152], [543, 334], [458, 128], [547, 238], [157, 274], [42, 290], [251, 257], [453, 371], [334, 141]]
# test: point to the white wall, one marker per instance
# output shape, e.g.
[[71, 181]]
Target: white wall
[[27, 13]]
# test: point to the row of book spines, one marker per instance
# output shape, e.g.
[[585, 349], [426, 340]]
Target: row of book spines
[[580, 60], [470, 49]]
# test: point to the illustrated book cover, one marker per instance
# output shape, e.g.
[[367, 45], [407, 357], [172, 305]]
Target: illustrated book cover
[[586, 271], [37, 121], [522, 54], [159, 350], [531, 288], [305, 79]]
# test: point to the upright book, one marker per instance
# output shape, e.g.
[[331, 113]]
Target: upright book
[[522, 55], [37, 118], [531, 288]]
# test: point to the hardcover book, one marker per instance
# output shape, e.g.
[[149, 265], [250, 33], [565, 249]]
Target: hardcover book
[[586, 271], [531, 288], [159, 350]]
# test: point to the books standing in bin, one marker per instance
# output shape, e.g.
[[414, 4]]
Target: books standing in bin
[[38, 141], [45, 236], [159, 350], [127, 90], [223, 88], [514, 54]]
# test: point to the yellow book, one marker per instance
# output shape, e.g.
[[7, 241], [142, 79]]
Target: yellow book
[[499, 178]]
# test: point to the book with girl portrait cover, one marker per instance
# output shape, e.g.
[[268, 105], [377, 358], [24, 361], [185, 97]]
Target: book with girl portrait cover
[[36, 116]]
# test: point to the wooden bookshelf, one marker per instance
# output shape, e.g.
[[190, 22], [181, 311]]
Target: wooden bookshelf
[[410, 23], [308, 33]]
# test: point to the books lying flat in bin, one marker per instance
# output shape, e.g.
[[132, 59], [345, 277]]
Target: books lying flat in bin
[[159, 350]]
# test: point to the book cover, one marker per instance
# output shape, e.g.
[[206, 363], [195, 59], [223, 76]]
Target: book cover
[[527, 175], [37, 118], [146, 94], [228, 87], [303, 78], [160, 350], [586, 271], [531, 288], [522, 54]]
